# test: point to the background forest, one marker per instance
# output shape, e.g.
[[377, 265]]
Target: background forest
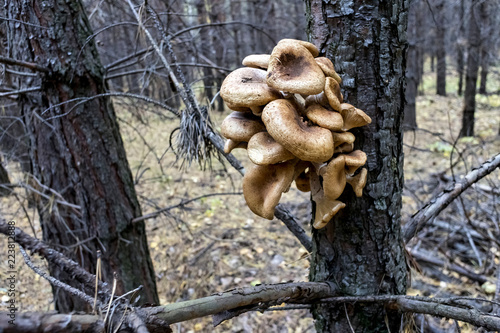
[[201, 237]]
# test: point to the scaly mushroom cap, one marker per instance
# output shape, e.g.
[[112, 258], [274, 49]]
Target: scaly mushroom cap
[[309, 46], [332, 93], [353, 117], [264, 184], [309, 143], [325, 209], [331, 120], [264, 150], [327, 67], [257, 61], [246, 87], [292, 69], [354, 160], [334, 178], [240, 126], [229, 145], [358, 182]]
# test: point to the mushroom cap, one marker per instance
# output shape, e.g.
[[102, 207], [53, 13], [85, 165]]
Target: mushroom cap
[[240, 126], [309, 46], [229, 145], [257, 60], [264, 184], [358, 182], [327, 67], [354, 160], [309, 143], [332, 93], [344, 148], [341, 138], [301, 176], [246, 87], [353, 117], [292, 69], [325, 209], [334, 178], [331, 120], [238, 108], [264, 150]]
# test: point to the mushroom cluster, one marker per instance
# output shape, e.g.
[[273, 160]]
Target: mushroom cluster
[[290, 116]]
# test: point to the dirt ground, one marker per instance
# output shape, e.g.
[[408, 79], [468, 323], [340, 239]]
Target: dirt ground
[[215, 243]]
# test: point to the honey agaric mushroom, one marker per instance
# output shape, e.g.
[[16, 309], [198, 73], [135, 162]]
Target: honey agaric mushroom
[[246, 87], [264, 150], [309, 46], [264, 184], [327, 67], [257, 61], [292, 69], [325, 209], [334, 177], [229, 145], [240, 127], [301, 176], [342, 138], [332, 93], [331, 120], [309, 143], [358, 182], [354, 160], [344, 148], [353, 117]]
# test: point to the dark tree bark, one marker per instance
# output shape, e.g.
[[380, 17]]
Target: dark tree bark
[[474, 43], [77, 153], [361, 250], [412, 70], [440, 51], [486, 42], [461, 48], [485, 66]]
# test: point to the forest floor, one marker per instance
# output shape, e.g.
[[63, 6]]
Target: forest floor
[[215, 243]]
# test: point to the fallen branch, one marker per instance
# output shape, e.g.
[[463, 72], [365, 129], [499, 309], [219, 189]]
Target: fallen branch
[[443, 199], [55, 257]]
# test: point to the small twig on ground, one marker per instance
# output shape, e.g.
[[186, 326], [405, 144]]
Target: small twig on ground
[[30, 65]]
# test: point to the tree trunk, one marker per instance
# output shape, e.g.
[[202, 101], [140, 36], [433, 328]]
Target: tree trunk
[[412, 64], [361, 250], [484, 70], [460, 48], [78, 156], [440, 51], [471, 75], [486, 42]]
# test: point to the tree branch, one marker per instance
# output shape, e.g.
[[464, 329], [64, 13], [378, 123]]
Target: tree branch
[[443, 199], [30, 65]]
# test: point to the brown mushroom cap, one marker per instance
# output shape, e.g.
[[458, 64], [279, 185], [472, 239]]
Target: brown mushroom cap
[[334, 178], [264, 184], [341, 138], [332, 93], [309, 46], [264, 150], [240, 126], [358, 182], [325, 209], [257, 60], [246, 87], [331, 120], [327, 67], [301, 176], [353, 117], [354, 160], [344, 148], [309, 143], [229, 145], [292, 69]]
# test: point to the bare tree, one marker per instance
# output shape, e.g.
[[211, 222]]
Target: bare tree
[[86, 196], [361, 249]]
